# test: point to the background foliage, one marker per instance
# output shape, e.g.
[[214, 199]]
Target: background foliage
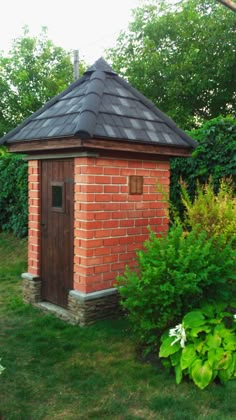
[[215, 158], [182, 57], [13, 195]]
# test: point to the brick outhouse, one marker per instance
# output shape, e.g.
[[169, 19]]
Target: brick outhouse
[[99, 171]]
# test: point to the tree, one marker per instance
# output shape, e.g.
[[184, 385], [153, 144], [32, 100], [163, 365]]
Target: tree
[[182, 57], [31, 73]]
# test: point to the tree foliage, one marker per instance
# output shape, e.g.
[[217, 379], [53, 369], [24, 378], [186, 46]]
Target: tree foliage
[[31, 73], [182, 57], [214, 158]]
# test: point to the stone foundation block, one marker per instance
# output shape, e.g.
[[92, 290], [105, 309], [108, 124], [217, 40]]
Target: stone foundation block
[[31, 288], [88, 308]]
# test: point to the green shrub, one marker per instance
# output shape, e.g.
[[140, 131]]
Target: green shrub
[[214, 213], [214, 157], [174, 274], [13, 195], [203, 346]]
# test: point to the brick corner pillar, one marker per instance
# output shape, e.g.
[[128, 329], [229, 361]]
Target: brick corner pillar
[[110, 224], [31, 279]]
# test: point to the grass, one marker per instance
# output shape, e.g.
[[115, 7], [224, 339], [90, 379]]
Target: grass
[[57, 371]]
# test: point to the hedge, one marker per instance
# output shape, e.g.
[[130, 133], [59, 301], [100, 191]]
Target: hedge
[[215, 158], [13, 195]]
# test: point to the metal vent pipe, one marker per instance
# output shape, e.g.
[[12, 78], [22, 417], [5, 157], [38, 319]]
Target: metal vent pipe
[[76, 64]]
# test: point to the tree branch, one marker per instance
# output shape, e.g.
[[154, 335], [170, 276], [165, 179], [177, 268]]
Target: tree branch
[[229, 3]]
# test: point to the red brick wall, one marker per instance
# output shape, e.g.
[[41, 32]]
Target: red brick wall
[[110, 224], [34, 217]]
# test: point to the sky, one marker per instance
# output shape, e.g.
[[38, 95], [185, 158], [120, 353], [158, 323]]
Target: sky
[[87, 25]]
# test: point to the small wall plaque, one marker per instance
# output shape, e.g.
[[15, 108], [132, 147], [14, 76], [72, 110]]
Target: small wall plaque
[[135, 184]]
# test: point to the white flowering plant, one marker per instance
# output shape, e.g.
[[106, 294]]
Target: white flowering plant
[[203, 346], [179, 333]]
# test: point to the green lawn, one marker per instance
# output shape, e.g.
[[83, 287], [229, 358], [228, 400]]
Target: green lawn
[[58, 371]]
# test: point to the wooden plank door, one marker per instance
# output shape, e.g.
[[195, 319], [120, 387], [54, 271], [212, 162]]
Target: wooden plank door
[[57, 230]]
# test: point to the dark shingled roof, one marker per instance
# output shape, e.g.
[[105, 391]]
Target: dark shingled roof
[[101, 105]]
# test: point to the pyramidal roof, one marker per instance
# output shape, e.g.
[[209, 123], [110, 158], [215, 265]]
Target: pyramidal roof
[[101, 105]]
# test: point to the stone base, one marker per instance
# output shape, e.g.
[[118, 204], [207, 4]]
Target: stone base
[[31, 286], [58, 311], [89, 308], [83, 309]]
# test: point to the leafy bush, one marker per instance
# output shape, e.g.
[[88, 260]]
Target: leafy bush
[[174, 274], [214, 157], [13, 195], [203, 347], [214, 213]]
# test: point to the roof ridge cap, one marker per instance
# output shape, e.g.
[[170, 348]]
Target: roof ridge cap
[[90, 108]]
